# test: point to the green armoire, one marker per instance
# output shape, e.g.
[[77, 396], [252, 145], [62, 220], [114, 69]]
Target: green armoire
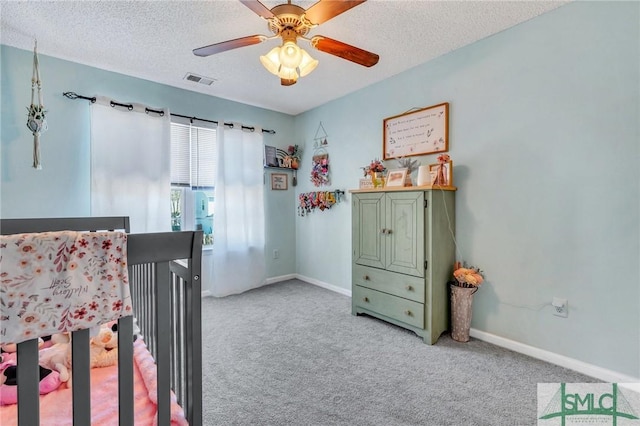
[[403, 256]]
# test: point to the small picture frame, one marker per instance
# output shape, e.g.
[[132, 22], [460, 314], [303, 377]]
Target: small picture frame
[[270, 156], [279, 181], [448, 173], [396, 178]]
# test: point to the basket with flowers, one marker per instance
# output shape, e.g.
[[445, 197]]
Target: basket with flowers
[[467, 276], [466, 283]]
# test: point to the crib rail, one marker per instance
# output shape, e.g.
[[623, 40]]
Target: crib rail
[[105, 223], [170, 322], [164, 273]]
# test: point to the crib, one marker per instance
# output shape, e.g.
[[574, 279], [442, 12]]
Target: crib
[[164, 280]]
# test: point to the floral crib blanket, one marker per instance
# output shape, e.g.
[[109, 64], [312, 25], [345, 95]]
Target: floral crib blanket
[[54, 282]]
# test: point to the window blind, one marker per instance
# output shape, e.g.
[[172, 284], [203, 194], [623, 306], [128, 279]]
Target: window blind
[[193, 156]]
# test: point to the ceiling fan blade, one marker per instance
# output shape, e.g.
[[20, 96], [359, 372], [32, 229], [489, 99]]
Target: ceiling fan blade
[[228, 45], [326, 9], [259, 8], [344, 51]]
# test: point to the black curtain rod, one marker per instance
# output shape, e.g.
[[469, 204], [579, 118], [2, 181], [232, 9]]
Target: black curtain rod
[[72, 95]]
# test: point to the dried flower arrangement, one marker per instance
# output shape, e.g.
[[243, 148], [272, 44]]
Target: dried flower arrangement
[[467, 276], [409, 164], [294, 151], [443, 158], [375, 166]]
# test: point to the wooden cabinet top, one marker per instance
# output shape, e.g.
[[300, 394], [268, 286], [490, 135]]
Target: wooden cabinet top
[[405, 188]]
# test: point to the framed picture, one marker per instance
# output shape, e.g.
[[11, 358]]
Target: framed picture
[[418, 132], [271, 156], [396, 177], [448, 173], [279, 181]]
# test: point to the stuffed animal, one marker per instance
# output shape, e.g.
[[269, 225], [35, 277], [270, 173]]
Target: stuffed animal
[[104, 347], [58, 356], [49, 379]]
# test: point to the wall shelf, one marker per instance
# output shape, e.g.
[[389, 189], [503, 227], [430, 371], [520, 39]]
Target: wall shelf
[[289, 169]]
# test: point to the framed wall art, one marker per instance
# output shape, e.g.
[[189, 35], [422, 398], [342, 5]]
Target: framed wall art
[[271, 156], [279, 181], [396, 177], [418, 132]]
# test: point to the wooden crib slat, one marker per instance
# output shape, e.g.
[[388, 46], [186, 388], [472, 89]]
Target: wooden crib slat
[[28, 383], [193, 294], [163, 321], [125, 370], [81, 376]]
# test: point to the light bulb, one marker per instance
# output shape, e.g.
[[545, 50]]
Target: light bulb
[[290, 55]]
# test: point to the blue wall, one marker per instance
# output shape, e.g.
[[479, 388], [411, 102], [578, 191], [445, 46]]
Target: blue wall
[[544, 136], [62, 187]]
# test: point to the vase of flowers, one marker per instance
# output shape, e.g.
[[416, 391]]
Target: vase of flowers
[[377, 171], [467, 280], [295, 153]]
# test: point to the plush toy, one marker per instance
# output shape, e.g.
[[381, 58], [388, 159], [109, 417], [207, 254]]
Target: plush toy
[[49, 379], [58, 356], [104, 347]]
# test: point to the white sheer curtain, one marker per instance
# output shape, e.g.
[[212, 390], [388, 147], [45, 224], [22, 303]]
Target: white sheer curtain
[[130, 165], [238, 228]]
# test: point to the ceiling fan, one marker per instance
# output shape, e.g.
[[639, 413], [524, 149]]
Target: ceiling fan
[[291, 22]]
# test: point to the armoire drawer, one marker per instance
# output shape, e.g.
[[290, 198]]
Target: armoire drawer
[[406, 286], [398, 308]]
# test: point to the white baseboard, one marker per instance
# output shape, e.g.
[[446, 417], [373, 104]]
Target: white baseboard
[[554, 358], [344, 291], [280, 278]]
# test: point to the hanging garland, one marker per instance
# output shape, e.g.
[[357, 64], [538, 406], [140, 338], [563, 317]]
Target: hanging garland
[[36, 118], [320, 170], [322, 200]]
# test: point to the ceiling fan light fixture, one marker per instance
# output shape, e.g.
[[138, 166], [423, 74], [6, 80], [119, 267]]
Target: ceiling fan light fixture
[[307, 64], [271, 61], [287, 73], [290, 54]]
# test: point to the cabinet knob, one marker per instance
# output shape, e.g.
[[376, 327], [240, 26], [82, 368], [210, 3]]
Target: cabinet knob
[[366, 278], [389, 231], [366, 299], [409, 288], [408, 313], [383, 231]]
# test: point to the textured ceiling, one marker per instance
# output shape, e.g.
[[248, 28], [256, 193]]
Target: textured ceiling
[[154, 40]]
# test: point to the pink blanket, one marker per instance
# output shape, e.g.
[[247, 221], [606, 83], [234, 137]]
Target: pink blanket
[[56, 407]]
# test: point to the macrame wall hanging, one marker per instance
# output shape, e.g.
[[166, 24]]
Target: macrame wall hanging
[[36, 120], [320, 139], [320, 159]]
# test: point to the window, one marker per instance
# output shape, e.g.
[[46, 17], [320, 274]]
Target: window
[[193, 173]]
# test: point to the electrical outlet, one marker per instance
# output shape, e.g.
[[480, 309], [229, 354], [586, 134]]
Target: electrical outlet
[[560, 307], [276, 254]]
